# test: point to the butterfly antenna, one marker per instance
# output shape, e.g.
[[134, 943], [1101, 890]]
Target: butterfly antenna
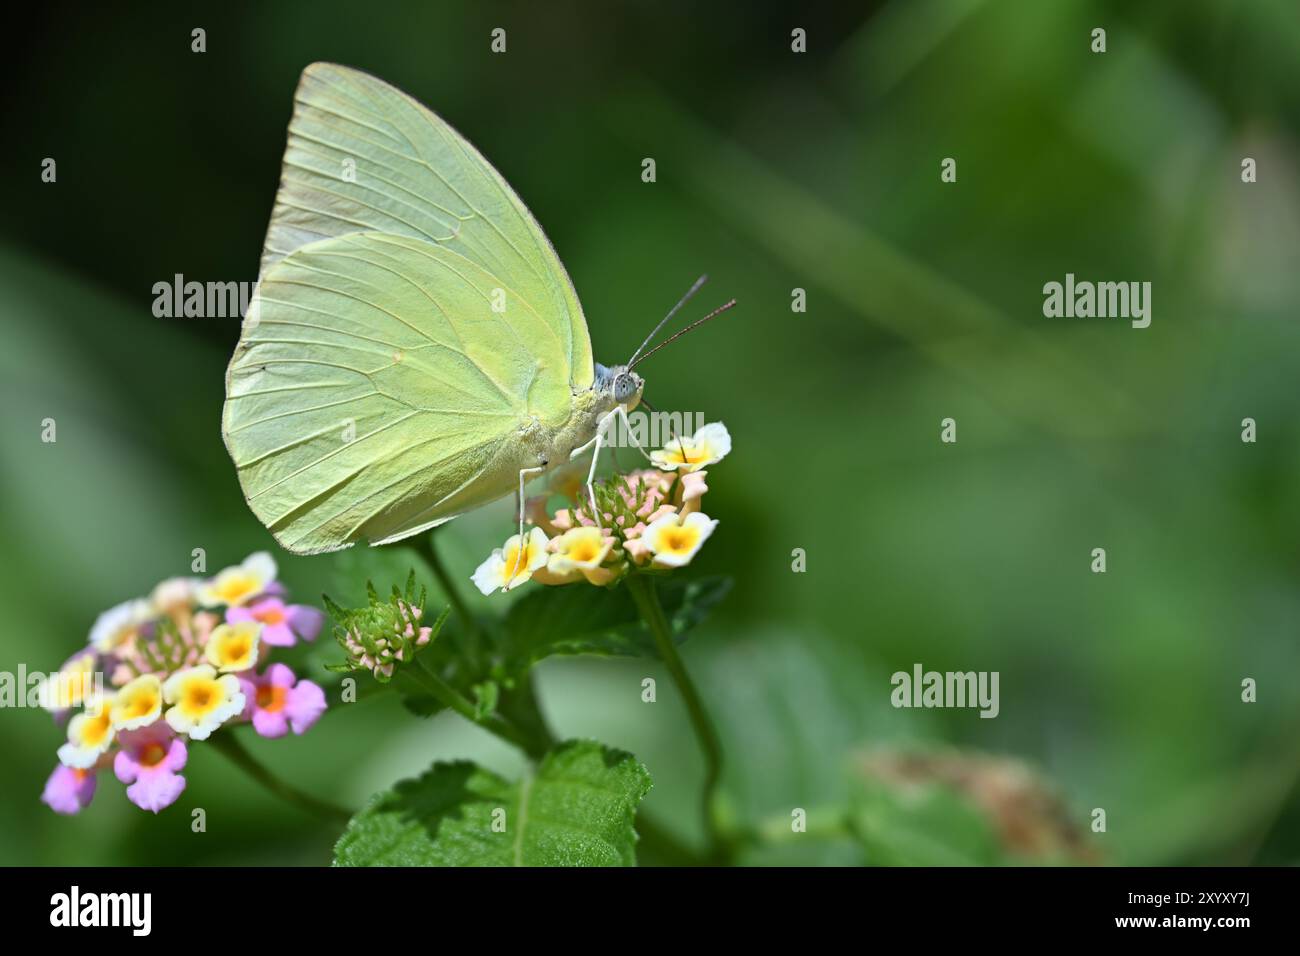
[[677, 335], [654, 411], [671, 312]]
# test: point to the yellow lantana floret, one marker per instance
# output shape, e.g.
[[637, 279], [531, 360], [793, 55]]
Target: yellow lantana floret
[[201, 700], [674, 540], [138, 704], [233, 647], [238, 585], [72, 686], [90, 734], [513, 564], [577, 554], [710, 443]]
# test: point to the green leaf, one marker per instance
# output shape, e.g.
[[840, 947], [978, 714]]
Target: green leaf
[[577, 619], [355, 569], [421, 705], [576, 809], [486, 696]]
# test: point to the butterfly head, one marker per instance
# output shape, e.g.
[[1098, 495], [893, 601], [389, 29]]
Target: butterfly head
[[621, 384]]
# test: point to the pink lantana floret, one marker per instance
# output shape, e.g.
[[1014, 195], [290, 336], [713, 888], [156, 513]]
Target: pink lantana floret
[[150, 761], [278, 702], [69, 791], [282, 624]]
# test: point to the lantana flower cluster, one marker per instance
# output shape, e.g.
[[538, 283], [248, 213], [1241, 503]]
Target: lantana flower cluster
[[650, 519], [161, 672]]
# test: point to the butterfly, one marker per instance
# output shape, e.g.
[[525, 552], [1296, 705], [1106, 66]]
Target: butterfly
[[414, 349]]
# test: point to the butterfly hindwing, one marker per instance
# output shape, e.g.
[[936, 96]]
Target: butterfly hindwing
[[375, 391]]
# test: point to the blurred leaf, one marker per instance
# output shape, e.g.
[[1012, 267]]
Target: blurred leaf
[[577, 810], [585, 620], [790, 705], [383, 567], [415, 700], [486, 696], [926, 827]]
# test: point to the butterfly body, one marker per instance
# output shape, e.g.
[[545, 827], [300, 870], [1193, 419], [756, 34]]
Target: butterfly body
[[544, 447]]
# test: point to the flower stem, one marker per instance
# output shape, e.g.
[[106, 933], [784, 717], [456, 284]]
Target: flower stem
[[825, 823], [235, 751], [528, 730], [520, 708], [453, 699], [647, 601], [423, 545]]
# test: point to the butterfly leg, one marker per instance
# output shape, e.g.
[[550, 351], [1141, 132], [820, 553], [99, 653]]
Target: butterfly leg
[[591, 475], [596, 444], [627, 426], [523, 479]]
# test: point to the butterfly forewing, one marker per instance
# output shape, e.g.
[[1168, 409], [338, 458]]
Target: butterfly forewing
[[363, 156]]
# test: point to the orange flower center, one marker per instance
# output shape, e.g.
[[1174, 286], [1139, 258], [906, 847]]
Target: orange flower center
[[199, 697], [271, 698], [585, 551], [235, 589], [678, 540], [96, 729]]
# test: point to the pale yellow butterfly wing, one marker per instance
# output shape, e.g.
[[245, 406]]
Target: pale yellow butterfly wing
[[363, 156], [410, 319]]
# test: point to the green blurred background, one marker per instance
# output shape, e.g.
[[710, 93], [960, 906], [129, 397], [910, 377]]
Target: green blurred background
[[775, 171]]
